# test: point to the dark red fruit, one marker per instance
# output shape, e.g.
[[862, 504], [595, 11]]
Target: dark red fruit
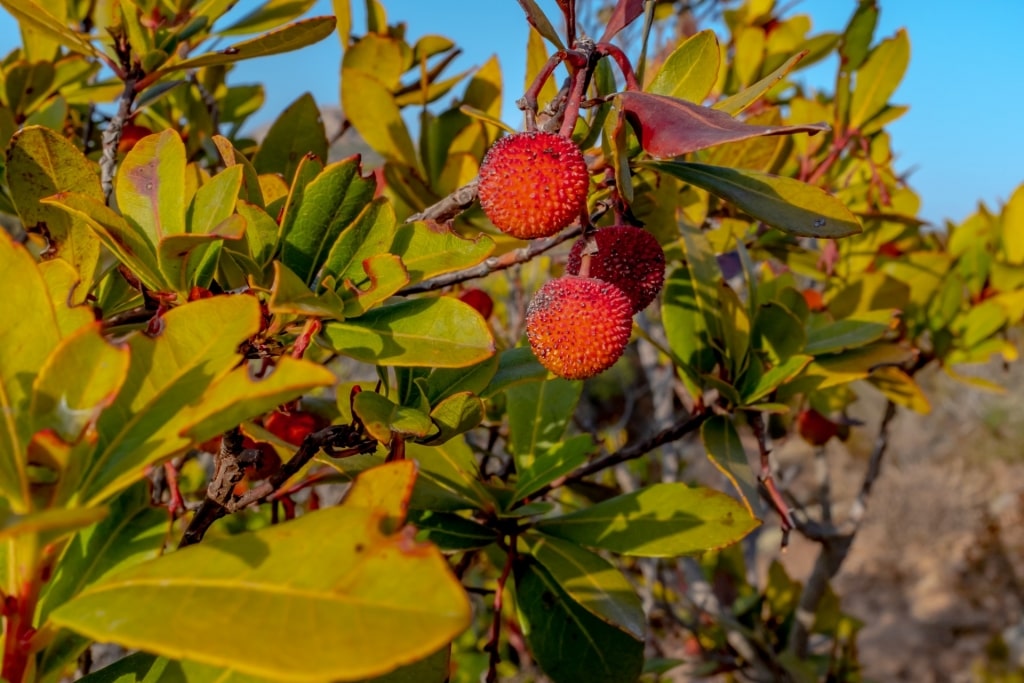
[[816, 429], [480, 300], [627, 257], [131, 134]]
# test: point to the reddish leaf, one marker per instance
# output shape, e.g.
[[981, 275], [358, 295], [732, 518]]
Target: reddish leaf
[[669, 127], [625, 12]]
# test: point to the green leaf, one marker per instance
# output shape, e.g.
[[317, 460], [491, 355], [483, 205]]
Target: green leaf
[[286, 39], [448, 479], [186, 385], [367, 236], [559, 459], [569, 643], [151, 184], [43, 319], [515, 366], [900, 388], [856, 40], [538, 415], [734, 104], [295, 589], [269, 15], [591, 581], [691, 70], [290, 295], [444, 382], [383, 418], [776, 376], [78, 380], [456, 415], [430, 332], [1012, 227], [127, 242], [858, 330], [784, 203], [297, 132], [132, 532], [778, 332], [372, 110], [429, 251], [878, 78], [182, 257], [662, 520], [40, 163], [386, 274], [330, 203], [383, 57], [725, 451], [451, 533], [539, 21], [31, 13]]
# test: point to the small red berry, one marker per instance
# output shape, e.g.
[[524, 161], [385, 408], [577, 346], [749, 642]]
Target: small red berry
[[293, 427], [816, 429], [130, 135], [480, 300]]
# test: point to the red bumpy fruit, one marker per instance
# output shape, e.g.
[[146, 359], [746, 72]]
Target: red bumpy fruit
[[578, 326], [533, 184], [627, 257]]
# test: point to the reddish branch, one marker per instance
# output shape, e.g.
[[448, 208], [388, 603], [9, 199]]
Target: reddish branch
[[493, 646]]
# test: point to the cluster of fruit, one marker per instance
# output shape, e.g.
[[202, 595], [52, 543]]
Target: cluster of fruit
[[531, 186]]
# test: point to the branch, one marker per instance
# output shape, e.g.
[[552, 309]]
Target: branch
[[835, 543], [632, 451], [493, 264], [229, 463], [112, 135], [768, 489]]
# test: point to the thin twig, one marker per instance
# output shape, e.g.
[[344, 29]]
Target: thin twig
[[632, 451], [769, 490], [336, 441], [493, 264], [493, 646], [835, 543], [112, 135]]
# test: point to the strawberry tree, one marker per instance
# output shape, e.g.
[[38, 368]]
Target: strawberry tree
[[208, 339]]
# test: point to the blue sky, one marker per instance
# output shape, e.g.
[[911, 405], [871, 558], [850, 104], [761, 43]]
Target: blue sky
[[961, 137]]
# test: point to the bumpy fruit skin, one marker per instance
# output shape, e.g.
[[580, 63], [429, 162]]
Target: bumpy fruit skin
[[577, 326], [629, 258], [533, 184]]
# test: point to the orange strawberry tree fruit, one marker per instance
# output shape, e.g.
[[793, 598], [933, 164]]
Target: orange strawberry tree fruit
[[272, 413]]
